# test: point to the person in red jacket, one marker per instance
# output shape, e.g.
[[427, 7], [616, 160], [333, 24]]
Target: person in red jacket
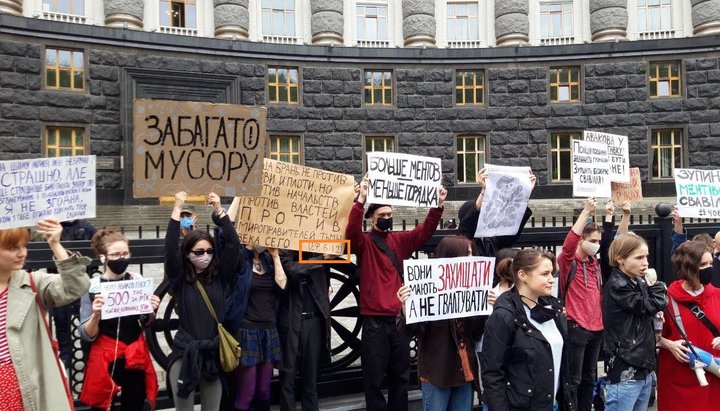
[[384, 348], [678, 387]]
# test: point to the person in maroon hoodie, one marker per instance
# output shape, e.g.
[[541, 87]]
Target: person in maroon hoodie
[[380, 254]]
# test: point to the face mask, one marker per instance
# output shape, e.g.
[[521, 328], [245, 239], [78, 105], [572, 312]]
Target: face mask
[[384, 224], [118, 266], [590, 248], [705, 275], [259, 249], [200, 261], [186, 223], [542, 314]]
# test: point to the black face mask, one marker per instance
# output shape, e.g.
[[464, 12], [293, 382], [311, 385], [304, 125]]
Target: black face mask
[[705, 275], [542, 314], [118, 266], [384, 224]]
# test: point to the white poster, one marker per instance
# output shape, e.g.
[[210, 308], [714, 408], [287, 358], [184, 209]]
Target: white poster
[[618, 151], [403, 179], [124, 298], [698, 192], [507, 191], [443, 288], [60, 187], [590, 169]]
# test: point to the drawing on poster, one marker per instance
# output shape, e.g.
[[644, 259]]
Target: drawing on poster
[[508, 190]]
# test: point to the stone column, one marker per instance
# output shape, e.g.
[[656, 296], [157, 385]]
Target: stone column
[[13, 7], [608, 20], [705, 17], [124, 13], [231, 19], [419, 23], [512, 24], [326, 22]]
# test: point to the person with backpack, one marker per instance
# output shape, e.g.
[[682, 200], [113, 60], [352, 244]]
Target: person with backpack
[[380, 254], [581, 290]]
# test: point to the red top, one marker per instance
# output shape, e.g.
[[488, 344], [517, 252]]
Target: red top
[[4, 349], [379, 280], [678, 388], [583, 301]]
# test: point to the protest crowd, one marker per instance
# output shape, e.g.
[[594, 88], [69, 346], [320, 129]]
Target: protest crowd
[[496, 327]]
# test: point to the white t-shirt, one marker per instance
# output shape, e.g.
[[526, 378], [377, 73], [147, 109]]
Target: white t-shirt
[[551, 333]]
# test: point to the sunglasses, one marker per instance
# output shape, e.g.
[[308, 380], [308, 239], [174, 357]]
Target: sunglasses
[[200, 252]]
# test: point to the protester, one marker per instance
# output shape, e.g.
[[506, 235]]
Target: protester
[[259, 286], [119, 355], [304, 326], [504, 279], [679, 235], [524, 360], [194, 360], [380, 254], [678, 387], [447, 367], [188, 219], [629, 306], [609, 234], [30, 374]]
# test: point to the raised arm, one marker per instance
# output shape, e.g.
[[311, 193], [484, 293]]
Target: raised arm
[[571, 241], [231, 255], [353, 231], [414, 239], [173, 259], [679, 235], [233, 209], [280, 277], [624, 225]]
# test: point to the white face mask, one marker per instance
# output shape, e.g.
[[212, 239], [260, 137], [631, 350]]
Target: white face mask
[[200, 261], [590, 248]]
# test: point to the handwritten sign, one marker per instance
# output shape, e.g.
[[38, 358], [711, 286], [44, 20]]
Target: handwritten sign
[[60, 187], [297, 203], [444, 288], [507, 193], [618, 153], [698, 192], [632, 191], [403, 179], [128, 297], [590, 169], [197, 147]]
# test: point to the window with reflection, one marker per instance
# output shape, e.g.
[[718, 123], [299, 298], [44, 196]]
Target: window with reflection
[[64, 69], [65, 141]]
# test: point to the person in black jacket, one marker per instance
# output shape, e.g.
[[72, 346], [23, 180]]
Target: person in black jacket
[[523, 360], [629, 305]]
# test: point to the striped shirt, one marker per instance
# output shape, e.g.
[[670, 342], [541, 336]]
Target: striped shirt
[[4, 349]]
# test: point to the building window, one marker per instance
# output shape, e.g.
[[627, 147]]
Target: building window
[[666, 152], [65, 141], [471, 157], [556, 19], [182, 13], [74, 7], [64, 69], [371, 22], [561, 156], [564, 84], [278, 18], [469, 87], [462, 21], [282, 85], [379, 143], [654, 15], [665, 79], [285, 148], [378, 88]]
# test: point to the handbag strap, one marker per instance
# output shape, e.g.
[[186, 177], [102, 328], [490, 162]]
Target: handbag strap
[[700, 315], [205, 298], [383, 245], [679, 325]]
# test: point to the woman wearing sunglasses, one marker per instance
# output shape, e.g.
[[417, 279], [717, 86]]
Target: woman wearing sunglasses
[[194, 361], [119, 356]]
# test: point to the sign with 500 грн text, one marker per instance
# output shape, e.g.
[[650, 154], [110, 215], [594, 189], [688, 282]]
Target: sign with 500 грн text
[[197, 148]]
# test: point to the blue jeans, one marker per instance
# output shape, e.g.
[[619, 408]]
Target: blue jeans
[[450, 399], [630, 395]]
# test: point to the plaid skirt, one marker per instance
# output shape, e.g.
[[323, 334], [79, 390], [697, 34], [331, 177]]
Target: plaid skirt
[[259, 345]]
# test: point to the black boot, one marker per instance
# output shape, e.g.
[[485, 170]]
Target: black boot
[[262, 405]]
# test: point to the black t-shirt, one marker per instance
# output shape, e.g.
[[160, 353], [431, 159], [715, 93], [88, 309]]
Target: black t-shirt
[[261, 302], [130, 328]]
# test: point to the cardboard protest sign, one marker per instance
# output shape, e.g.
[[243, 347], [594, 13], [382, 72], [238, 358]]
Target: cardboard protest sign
[[444, 288], [632, 191], [60, 187], [618, 151], [297, 203], [590, 169], [197, 148], [128, 297], [507, 192], [403, 179], [698, 192]]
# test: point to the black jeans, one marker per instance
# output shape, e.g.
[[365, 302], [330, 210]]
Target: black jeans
[[308, 358], [583, 352], [385, 350]]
